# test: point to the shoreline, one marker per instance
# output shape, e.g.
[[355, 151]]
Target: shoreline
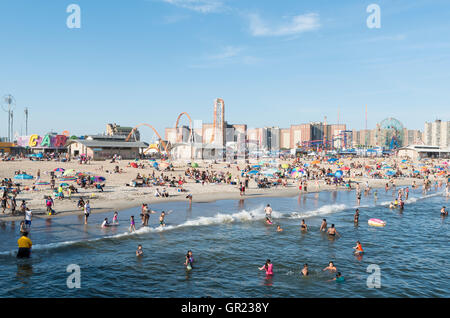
[[206, 197]]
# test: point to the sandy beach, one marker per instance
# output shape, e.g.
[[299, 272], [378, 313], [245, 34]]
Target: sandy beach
[[118, 196]]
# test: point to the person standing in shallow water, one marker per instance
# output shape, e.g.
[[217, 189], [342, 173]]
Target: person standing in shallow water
[[268, 267]]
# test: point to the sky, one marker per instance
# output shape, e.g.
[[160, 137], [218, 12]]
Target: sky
[[275, 63]]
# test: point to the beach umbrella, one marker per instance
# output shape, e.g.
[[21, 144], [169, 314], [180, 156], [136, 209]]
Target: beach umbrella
[[339, 174], [315, 162], [284, 166], [59, 170], [345, 168], [194, 165], [68, 178], [99, 179], [155, 165], [306, 165], [70, 172], [134, 165], [253, 172], [404, 160], [39, 155], [387, 167], [42, 183], [390, 173], [256, 166], [332, 159], [23, 176], [64, 184]]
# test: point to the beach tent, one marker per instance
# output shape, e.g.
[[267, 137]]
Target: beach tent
[[23, 177], [134, 165], [155, 165], [194, 165]]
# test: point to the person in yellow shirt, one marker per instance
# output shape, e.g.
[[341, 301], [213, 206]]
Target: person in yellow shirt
[[24, 246]]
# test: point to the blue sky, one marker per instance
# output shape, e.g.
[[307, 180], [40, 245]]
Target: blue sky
[[273, 62]]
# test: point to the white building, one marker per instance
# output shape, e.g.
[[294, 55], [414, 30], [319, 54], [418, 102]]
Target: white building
[[423, 151], [437, 133]]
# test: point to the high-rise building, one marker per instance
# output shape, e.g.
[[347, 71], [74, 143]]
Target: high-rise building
[[437, 133]]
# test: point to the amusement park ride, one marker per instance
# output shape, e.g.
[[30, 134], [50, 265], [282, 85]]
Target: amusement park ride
[[217, 133]]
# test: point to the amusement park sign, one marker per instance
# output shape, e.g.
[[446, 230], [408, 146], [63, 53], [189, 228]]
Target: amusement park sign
[[46, 141]]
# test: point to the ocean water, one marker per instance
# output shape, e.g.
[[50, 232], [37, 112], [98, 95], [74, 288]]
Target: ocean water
[[230, 240]]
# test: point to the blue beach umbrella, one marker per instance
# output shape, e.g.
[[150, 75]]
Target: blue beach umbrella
[[390, 173], [253, 172], [339, 174], [23, 177]]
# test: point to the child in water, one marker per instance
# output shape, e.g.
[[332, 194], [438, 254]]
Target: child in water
[[132, 224], [115, 218], [339, 278], [189, 260], [268, 267], [358, 248], [330, 267], [139, 251], [305, 271], [279, 229]]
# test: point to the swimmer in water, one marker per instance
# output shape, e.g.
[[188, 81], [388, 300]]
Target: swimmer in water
[[323, 226], [332, 231], [356, 217], [358, 248], [115, 218], [161, 218], [330, 267], [268, 211], [279, 229], [305, 271], [444, 212], [105, 223], [132, 224], [139, 251], [375, 195], [303, 226], [268, 267], [189, 260], [339, 278]]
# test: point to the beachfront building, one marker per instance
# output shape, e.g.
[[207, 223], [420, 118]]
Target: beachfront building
[[101, 147], [6, 147], [423, 151], [437, 133]]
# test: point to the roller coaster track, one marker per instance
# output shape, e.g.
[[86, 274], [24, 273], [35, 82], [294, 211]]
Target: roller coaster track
[[154, 130], [191, 128]]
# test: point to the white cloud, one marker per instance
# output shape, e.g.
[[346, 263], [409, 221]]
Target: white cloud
[[227, 52], [203, 6], [298, 24]]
